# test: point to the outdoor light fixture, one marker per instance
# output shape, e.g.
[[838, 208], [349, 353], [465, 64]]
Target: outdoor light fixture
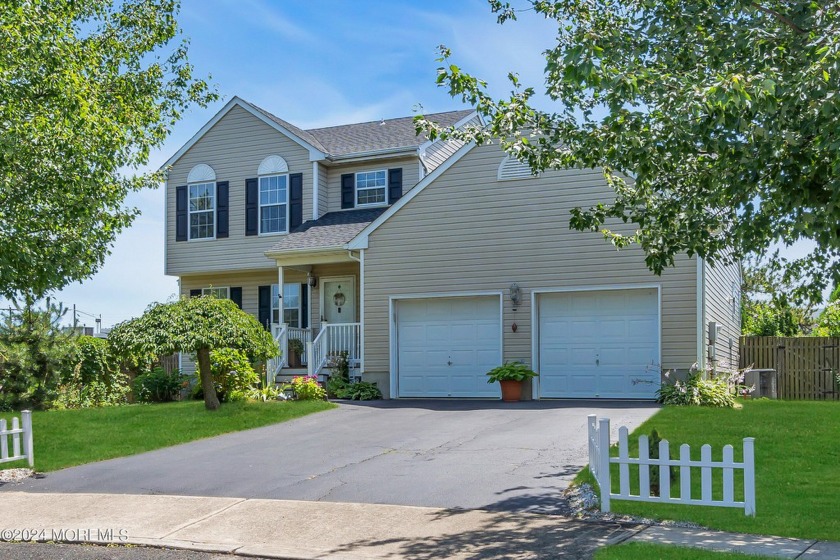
[[515, 295], [313, 281]]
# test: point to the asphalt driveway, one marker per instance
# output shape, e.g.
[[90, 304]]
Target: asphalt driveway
[[460, 454]]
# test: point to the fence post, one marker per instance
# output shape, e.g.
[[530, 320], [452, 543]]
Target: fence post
[[310, 360], [604, 481], [749, 476], [592, 430], [26, 419]]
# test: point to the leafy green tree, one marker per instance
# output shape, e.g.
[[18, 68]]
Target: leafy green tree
[[724, 113], [87, 89], [828, 323], [767, 308], [197, 326], [36, 351]]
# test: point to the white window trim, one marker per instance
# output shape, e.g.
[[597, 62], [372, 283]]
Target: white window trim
[[191, 212], [356, 189], [210, 289], [260, 205]]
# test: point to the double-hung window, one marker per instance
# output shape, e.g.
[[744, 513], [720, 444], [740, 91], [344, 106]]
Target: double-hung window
[[371, 188], [202, 209], [219, 293], [291, 303], [274, 204]]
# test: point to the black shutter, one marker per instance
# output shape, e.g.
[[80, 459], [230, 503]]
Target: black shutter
[[252, 207], [394, 185], [348, 190], [295, 200], [304, 306], [222, 213], [265, 307], [181, 213], [195, 293], [236, 296]]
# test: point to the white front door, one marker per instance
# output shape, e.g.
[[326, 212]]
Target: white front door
[[446, 346], [601, 344], [338, 300]]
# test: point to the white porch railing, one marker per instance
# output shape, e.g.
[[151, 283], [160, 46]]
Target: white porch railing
[[334, 339], [600, 460], [21, 434], [274, 365], [304, 335]]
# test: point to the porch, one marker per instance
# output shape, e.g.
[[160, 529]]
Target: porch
[[311, 351]]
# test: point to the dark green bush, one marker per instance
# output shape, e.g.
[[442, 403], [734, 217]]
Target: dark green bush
[[361, 391], [159, 386], [233, 374], [94, 379]]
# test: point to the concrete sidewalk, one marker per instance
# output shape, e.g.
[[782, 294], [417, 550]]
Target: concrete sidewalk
[[299, 529]]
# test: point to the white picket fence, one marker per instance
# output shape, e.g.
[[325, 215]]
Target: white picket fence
[[600, 460], [21, 436]]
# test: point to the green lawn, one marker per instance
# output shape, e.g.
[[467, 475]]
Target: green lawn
[[64, 438], [642, 551], [797, 454]]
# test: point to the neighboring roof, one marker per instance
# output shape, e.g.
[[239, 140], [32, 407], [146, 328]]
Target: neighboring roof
[[379, 135], [333, 229]]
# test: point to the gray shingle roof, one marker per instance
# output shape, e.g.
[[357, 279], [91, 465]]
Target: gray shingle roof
[[371, 136], [378, 135], [333, 229]]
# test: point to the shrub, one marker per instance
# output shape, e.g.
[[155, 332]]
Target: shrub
[[361, 391], [232, 371], [699, 391], [159, 386], [264, 394], [94, 379], [307, 388]]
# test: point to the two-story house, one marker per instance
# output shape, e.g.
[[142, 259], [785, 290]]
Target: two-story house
[[430, 262]]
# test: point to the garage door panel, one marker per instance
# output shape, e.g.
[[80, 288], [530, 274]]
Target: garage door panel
[[612, 341], [445, 346]]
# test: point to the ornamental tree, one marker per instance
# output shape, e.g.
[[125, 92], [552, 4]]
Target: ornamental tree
[[196, 326], [87, 89], [725, 114]]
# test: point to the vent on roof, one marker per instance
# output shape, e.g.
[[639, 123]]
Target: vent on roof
[[511, 169]]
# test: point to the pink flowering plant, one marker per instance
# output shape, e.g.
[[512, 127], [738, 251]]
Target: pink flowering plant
[[307, 388]]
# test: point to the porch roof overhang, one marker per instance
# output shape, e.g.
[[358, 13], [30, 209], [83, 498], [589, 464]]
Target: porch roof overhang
[[305, 256]]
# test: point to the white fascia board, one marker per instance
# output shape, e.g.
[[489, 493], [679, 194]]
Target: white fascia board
[[374, 154], [361, 240], [314, 153], [459, 124]]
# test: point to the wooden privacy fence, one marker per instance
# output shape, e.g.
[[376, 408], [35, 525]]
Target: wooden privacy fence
[[806, 366], [21, 436], [600, 460]]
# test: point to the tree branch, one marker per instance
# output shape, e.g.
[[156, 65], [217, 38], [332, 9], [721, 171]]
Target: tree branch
[[780, 17]]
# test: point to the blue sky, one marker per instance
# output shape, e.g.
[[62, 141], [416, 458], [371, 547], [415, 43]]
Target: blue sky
[[313, 63]]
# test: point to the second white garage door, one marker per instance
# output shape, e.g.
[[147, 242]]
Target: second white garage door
[[602, 344], [446, 345]]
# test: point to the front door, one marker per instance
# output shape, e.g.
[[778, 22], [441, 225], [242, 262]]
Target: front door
[[338, 304]]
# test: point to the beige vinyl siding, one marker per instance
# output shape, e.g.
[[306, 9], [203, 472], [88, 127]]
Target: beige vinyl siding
[[234, 148], [410, 167], [468, 232], [722, 305]]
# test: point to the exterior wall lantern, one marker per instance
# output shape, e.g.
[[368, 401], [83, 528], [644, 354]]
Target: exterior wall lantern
[[515, 295]]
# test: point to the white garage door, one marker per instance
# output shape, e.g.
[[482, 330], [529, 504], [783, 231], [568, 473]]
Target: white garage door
[[599, 344], [445, 346]]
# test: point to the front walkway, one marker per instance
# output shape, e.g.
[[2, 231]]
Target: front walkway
[[289, 529]]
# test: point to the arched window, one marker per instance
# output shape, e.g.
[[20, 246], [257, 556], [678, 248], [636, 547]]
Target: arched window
[[274, 195]]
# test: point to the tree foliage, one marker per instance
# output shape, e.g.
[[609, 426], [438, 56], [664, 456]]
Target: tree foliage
[[196, 326], [767, 308], [36, 351], [87, 89], [725, 113]]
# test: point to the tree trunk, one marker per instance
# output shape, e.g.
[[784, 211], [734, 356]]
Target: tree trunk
[[211, 400]]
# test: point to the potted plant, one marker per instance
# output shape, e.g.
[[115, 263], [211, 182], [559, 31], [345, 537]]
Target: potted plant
[[295, 352], [510, 377]]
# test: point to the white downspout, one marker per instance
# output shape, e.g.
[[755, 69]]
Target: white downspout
[[315, 177], [361, 261]]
